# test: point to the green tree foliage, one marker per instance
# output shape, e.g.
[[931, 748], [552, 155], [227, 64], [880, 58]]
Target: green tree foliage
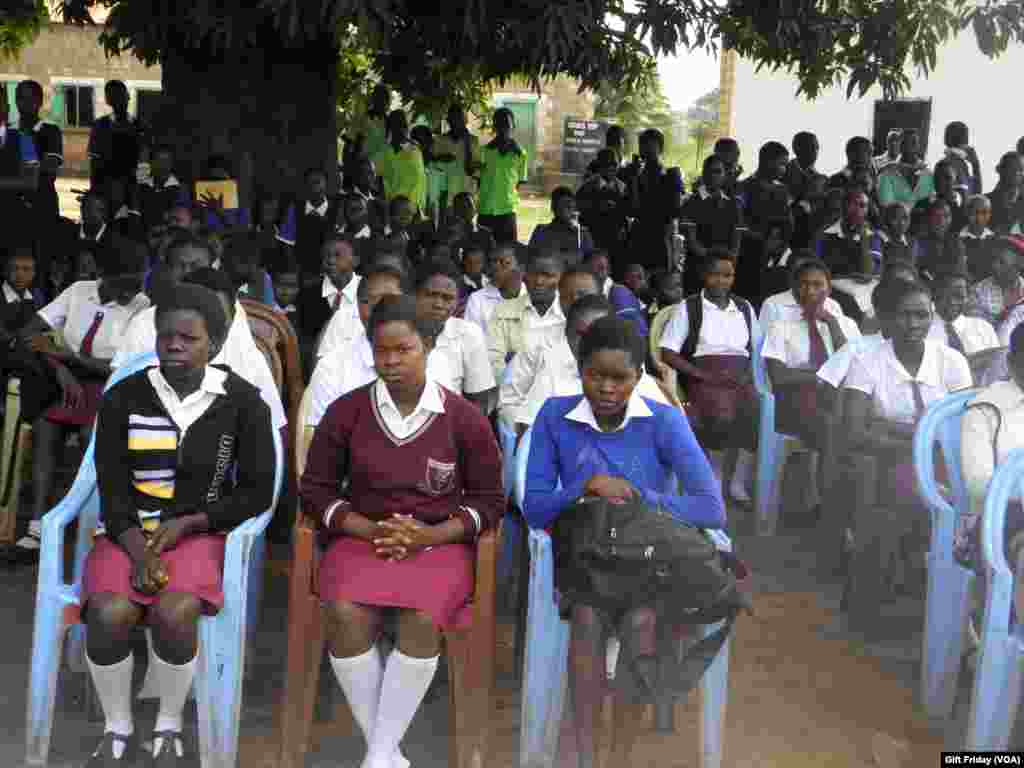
[[20, 22], [822, 42], [636, 111], [702, 120]]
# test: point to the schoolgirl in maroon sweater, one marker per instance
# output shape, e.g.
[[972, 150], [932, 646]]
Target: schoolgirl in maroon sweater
[[424, 480]]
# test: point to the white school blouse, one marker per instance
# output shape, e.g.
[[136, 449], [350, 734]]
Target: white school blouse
[[722, 331], [789, 341]]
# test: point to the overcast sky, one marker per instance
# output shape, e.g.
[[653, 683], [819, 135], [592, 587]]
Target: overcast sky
[[687, 77]]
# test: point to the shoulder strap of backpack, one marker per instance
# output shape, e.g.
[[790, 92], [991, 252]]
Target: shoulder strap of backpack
[[695, 316], [747, 311]]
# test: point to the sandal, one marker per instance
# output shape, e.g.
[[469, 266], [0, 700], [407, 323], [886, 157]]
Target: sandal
[[173, 751], [105, 754]]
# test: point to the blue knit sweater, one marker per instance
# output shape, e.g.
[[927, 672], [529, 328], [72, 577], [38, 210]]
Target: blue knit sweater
[[648, 452]]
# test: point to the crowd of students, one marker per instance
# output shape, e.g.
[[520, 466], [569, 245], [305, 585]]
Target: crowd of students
[[885, 285]]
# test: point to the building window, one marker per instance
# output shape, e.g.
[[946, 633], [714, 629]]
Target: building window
[[79, 105]]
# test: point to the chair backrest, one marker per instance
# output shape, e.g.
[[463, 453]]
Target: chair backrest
[[658, 329], [269, 352], [261, 317], [941, 424], [522, 458], [507, 440], [303, 434], [761, 380], [1007, 484]]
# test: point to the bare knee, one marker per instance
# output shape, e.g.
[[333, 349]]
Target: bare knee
[[110, 619], [174, 619], [351, 628], [418, 636]]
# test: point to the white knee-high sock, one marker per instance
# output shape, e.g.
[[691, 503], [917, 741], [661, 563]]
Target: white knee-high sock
[[171, 683], [405, 683], [114, 687]]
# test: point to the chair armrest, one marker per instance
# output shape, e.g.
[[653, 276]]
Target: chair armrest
[[83, 492], [1006, 483], [924, 471], [487, 561]]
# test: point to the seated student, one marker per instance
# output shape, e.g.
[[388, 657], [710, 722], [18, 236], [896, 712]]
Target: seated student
[[531, 317], [540, 372], [1007, 197], [160, 190], [18, 305], [274, 224], [92, 229], [334, 298], [938, 249], [887, 391], [858, 157], [897, 245], [315, 215], [795, 348], [462, 343], [866, 181], [243, 263], [603, 201], [401, 231], [88, 257], [963, 158], [423, 477], [788, 305], [474, 256], [599, 263], [613, 443], [666, 290], [709, 341], [995, 295], [356, 217], [57, 278], [626, 297], [286, 290], [945, 190], [564, 234], [158, 557], [64, 392], [710, 217], [506, 282], [909, 180], [181, 216], [853, 251], [973, 337], [974, 234]]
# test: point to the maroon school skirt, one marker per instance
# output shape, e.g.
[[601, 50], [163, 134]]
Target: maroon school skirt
[[713, 403], [195, 567], [85, 414], [437, 582]]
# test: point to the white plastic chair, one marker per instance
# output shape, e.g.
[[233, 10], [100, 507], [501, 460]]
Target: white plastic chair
[[222, 638]]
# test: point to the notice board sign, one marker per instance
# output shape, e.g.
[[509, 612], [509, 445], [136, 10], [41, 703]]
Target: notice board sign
[[902, 114], [581, 141]]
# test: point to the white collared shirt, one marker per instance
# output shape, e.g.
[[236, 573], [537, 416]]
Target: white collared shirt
[[515, 324], [722, 331], [966, 234], [83, 236], [484, 282], [976, 333], [606, 289], [986, 440], [789, 341], [431, 402], [539, 373], [344, 324], [464, 346], [350, 366], [11, 295], [319, 210], [784, 306], [481, 304], [239, 353], [878, 373], [185, 412], [75, 309], [169, 183], [636, 408], [834, 371]]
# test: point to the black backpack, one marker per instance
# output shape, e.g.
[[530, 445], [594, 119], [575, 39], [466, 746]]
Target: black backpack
[[695, 314]]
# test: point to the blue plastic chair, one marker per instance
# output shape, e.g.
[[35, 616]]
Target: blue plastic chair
[[513, 527], [545, 667], [773, 451], [222, 638], [997, 683], [949, 583]]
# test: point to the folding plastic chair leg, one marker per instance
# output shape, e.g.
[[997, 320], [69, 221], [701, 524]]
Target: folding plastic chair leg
[[771, 461], [46, 658], [947, 609], [714, 689], [203, 685], [996, 698]]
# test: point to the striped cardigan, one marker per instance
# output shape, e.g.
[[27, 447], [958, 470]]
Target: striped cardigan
[[146, 471]]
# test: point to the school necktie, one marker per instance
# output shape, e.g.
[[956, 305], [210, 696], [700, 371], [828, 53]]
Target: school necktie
[[337, 301], [90, 335], [954, 339], [919, 406], [819, 352]]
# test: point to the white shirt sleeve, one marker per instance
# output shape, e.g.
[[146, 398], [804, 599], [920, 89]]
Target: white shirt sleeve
[[323, 389], [986, 334], [849, 328], [56, 312], [474, 312], [139, 337], [977, 460], [477, 376], [337, 333], [859, 377], [769, 314], [775, 346], [837, 366], [676, 330], [519, 380], [956, 371]]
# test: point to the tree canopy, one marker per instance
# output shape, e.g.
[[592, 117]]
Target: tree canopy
[[415, 49]]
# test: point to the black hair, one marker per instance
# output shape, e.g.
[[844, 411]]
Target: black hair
[[559, 193], [402, 309], [341, 237], [391, 122], [944, 277], [19, 251], [614, 130], [589, 304], [520, 252], [312, 171], [894, 265], [286, 265], [536, 254], [438, 266], [803, 137], [245, 248], [505, 111], [613, 333], [464, 195], [856, 141], [123, 257], [891, 292], [891, 208], [605, 158], [379, 270], [770, 152], [956, 134], [709, 161], [114, 84], [213, 279], [196, 298], [163, 147], [998, 245], [31, 85], [910, 133], [1009, 156], [187, 241], [717, 253], [812, 264], [219, 161], [726, 142], [653, 134], [581, 270], [396, 201], [943, 164]]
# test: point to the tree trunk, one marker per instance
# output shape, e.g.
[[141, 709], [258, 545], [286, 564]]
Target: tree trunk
[[270, 109]]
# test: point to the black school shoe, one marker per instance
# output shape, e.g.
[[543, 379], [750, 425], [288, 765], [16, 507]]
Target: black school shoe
[[103, 757], [175, 751]]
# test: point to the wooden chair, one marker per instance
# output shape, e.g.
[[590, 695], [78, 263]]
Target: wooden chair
[[13, 444], [671, 378], [273, 361], [470, 652]]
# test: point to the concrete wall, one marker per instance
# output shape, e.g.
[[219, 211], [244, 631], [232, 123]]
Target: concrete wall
[[965, 86], [63, 53]]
